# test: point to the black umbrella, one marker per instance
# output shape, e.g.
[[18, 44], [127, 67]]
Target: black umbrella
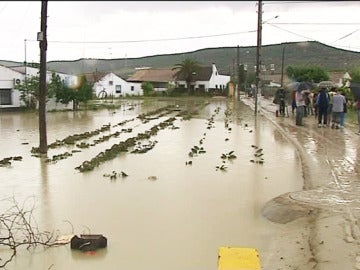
[[292, 86], [355, 90], [304, 86]]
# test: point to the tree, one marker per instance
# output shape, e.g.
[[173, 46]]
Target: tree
[[307, 74], [147, 88], [187, 70], [355, 75], [82, 93], [63, 93], [55, 84], [30, 89]]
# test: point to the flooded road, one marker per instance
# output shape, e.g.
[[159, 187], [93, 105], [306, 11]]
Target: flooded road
[[182, 198]]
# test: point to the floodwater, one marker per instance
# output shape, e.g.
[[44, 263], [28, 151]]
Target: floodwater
[[166, 213]]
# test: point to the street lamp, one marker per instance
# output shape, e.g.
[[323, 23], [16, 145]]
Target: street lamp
[[275, 17]]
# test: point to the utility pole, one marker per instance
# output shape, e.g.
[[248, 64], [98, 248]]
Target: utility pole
[[42, 95], [25, 66], [258, 54], [238, 70], [25, 57], [282, 67]]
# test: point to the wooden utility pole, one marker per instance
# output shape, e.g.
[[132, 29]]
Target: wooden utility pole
[[282, 67], [258, 54], [42, 95], [238, 70]]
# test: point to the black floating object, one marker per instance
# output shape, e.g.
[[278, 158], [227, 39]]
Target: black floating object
[[88, 242]]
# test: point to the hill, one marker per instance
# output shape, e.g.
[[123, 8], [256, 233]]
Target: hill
[[310, 53]]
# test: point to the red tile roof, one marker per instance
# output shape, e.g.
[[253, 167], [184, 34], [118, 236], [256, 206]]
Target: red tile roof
[[153, 75]]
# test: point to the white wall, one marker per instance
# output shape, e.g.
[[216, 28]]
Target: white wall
[[8, 77], [218, 80], [69, 80], [116, 86], [7, 81]]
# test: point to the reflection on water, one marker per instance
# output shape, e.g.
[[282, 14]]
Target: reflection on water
[[175, 221]]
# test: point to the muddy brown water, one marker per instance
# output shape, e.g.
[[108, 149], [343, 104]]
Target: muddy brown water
[[166, 214]]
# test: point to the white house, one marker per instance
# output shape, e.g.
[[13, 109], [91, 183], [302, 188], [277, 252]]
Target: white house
[[207, 79], [9, 97], [69, 80], [115, 86], [11, 76], [160, 78]]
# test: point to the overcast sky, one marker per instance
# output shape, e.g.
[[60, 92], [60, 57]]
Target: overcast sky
[[128, 29]]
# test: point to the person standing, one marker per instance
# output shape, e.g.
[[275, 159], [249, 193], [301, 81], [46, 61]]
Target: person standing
[[343, 114], [322, 104], [300, 106], [281, 97], [293, 102], [315, 109], [337, 109], [357, 108], [331, 94], [311, 103]]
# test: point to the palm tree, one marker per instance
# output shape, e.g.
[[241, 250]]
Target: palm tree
[[186, 71]]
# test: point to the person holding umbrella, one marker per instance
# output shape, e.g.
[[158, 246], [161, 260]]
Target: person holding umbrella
[[300, 97]]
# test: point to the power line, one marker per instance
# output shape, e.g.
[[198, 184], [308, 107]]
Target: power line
[[346, 35], [314, 23], [294, 2], [150, 40], [290, 32], [195, 37], [308, 38]]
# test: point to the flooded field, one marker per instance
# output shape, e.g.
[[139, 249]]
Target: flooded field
[[180, 188]]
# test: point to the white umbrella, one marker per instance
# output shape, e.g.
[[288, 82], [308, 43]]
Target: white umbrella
[[326, 84]]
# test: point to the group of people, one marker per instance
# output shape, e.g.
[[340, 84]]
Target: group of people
[[329, 108], [326, 106]]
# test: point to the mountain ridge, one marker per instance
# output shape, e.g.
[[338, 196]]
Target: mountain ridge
[[308, 53]]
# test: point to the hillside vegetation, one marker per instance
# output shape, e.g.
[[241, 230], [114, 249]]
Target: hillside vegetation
[[309, 53]]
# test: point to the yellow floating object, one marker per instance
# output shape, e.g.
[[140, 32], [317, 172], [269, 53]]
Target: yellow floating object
[[235, 258]]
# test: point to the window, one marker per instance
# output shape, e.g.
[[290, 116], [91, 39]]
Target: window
[[118, 89], [67, 81], [111, 82], [5, 96], [216, 86], [132, 88]]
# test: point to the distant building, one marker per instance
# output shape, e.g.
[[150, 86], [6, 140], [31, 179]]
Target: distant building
[[207, 79], [160, 78], [112, 85], [12, 76]]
